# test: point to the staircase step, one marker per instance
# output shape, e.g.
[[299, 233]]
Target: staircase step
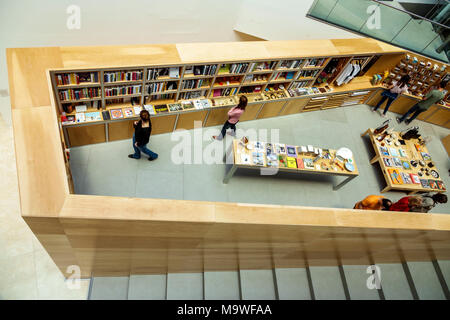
[[185, 286], [147, 287], [292, 284], [426, 280], [222, 285], [257, 285], [327, 283], [356, 277], [109, 288], [393, 282]]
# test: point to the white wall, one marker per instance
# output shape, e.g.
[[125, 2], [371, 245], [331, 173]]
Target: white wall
[[284, 20]]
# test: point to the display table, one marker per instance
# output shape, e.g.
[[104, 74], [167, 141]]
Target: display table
[[287, 158], [395, 159]]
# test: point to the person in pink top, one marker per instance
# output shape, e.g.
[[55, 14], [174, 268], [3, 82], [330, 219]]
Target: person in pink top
[[392, 92], [233, 117]]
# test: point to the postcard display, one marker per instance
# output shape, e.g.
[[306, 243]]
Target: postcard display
[[406, 164], [307, 158]]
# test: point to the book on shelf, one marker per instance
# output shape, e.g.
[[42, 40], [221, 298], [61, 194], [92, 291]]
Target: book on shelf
[[80, 117], [116, 113], [137, 110], [106, 115], [258, 146], [116, 76], [174, 107], [150, 109], [258, 158], [280, 148], [187, 105], [128, 112], [162, 108], [291, 162], [272, 160], [197, 104], [81, 108], [414, 178], [300, 164], [188, 70], [393, 152], [402, 153], [395, 176], [76, 78], [70, 119], [397, 162], [388, 162], [174, 72], [384, 151], [308, 163], [245, 158], [93, 116], [406, 178], [425, 156], [282, 162], [291, 151], [440, 185]]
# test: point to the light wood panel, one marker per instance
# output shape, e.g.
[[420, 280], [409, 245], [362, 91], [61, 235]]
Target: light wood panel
[[426, 114], [39, 158], [217, 117], [250, 112], [27, 67], [120, 130], [271, 109], [305, 48], [163, 124], [385, 63], [79, 136], [186, 120], [294, 106], [440, 117]]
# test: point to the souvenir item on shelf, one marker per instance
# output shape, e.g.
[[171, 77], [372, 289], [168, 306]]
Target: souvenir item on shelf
[[402, 152], [81, 108], [116, 113], [187, 105], [280, 148], [414, 163], [272, 160], [384, 151], [414, 178], [381, 128], [349, 167], [395, 176], [393, 152], [310, 148], [344, 153], [259, 146], [93, 116], [300, 163], [128, 112], [434, 173], [291, 162], [282, 161], [80, 117], [425, 156], [150, 109], [324, 166], [406, 165], [258, 158], [420, 174], [432, 184], [425, 183], [397, 162], [440, 185], [70, 119], [308, 163], [291, 152], [269, 149], [422, 163], [302, 149], [430, 164], [245, 158], [406, 178], [388, 162]]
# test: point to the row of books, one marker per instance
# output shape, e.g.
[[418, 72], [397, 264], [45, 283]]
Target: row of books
[[154, 74], [124, 90], [233, 68], [255, 77], [161, 86], [224, 92], [198, 104], [193, 84], [78, 94], [260, 66], [81, 117], [299, 84], [398, 177], [76, 78], [122, 76], [206, 70], [250, 89], [307, 73], [290, 64], [164, 96], [286, 75], [192, 94], [315, 62], [297, 92]]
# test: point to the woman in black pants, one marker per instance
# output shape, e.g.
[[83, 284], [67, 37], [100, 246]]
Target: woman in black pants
[[392, 92], [141, 136]]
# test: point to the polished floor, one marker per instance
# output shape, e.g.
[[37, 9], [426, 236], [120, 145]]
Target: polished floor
[[105, 169]]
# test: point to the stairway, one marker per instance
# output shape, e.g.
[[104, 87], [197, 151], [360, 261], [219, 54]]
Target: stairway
[[407, 281]]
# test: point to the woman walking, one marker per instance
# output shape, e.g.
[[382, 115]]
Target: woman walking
[[392, 92], [141, 136], [233, 117]]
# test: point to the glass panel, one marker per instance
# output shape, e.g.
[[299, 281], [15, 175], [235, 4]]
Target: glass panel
[[430, 50], [322, 8], [350, 14]]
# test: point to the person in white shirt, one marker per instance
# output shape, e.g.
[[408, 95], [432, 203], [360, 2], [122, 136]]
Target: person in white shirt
[[392, 92]]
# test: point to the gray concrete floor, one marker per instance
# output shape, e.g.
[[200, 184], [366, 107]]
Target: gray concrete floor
[[105, 169]]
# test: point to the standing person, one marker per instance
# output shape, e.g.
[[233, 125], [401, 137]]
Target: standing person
[[373, 202], [392, 92], [233, 117], [406, 204], [141, 136], [431, 98], [429, 201]]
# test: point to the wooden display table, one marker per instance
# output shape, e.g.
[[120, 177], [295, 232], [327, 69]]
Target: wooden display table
[[238, 152], [404, 153]]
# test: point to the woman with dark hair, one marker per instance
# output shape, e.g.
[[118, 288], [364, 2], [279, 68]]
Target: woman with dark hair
[[373, 202], [392, 92], [141, 136], [233, 117], [429, 201], [407, 204]]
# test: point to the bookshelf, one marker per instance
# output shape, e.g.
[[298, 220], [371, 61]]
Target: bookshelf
[[263, 80]]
